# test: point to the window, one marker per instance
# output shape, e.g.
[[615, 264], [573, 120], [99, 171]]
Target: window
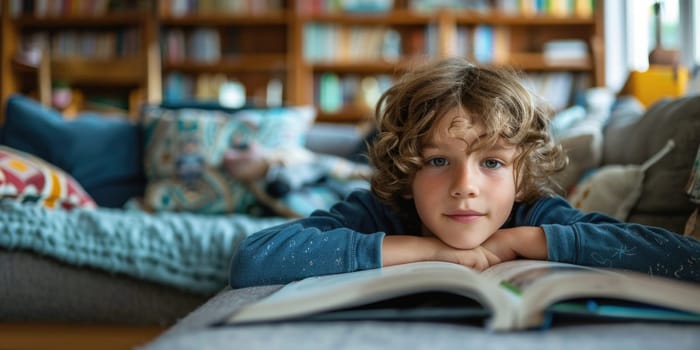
[[641, 30]]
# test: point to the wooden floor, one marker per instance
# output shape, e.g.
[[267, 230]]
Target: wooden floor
[[21, 336]]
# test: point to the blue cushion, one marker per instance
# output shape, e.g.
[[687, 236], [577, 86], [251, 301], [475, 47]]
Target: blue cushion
[[103, 154]]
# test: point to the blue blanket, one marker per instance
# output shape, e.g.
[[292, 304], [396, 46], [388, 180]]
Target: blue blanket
[[187, 251]]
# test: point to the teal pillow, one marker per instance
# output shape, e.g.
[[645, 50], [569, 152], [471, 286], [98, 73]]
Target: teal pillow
[[184, 148], [102, 154]]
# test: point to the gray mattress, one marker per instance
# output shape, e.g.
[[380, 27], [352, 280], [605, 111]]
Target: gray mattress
[[194, 332], [40, 289]]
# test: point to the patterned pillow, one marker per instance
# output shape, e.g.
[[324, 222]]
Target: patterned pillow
[[184, 150], [27, 178]]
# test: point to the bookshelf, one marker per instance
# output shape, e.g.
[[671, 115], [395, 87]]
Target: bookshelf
[[103, 52], [348, 59], [498, 32], [337, 55], [244, 42]]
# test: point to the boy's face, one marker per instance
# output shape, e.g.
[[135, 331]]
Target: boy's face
[[463, 195]]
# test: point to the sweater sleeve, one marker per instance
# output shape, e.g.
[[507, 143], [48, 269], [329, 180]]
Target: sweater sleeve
[[594, 239], [347, 238]]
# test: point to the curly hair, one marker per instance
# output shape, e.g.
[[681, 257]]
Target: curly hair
[[494, 97]]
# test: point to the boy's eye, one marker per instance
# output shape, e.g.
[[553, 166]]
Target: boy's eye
[[492, 164], [437, 162]]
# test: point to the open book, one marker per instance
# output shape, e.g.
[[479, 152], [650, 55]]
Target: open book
[[513, 295]]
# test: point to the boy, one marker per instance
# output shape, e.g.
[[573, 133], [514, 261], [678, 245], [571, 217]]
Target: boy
[[463, 163]]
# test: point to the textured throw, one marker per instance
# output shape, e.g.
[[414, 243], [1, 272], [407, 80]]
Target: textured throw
[[183, 250]]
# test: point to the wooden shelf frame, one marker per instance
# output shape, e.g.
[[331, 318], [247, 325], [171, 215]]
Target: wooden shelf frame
[[288, 63]]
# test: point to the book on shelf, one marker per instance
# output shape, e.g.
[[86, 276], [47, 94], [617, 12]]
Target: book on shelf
[[483, 43], [330, 94], [174, 46], [558, 8], [87, 44], [335, 43], [514, 295], [56, 8], [430, 6], [555, 88], [431, 41], [179, 8], [204, 45], [571, 51]]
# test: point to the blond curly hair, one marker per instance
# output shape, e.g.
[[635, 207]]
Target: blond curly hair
[[493, 97]]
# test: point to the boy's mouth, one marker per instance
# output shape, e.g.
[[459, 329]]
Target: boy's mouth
[[464, 216]]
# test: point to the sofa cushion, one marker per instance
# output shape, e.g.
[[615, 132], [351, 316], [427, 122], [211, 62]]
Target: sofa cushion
[[184, 150], [47, 290], [29, 179], [614, 189], [663, 201], [102, 154], [579, 130], [583, 152]]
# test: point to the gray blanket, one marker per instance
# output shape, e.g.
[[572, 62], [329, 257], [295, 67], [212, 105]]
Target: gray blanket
[[194, 332]]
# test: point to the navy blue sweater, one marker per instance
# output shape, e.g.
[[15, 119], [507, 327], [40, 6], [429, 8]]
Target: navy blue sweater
[[349, 237]]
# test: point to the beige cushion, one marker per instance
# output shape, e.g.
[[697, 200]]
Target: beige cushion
[[663, 201], [583, 153], [615, 189]]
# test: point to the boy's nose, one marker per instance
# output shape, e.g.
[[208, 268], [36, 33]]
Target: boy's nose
[[465, 182]]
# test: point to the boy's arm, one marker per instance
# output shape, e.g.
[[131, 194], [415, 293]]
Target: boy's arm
[[597, 240], [300, 249], [504, 245], [404, 249], [346, 238], [401, 249], [642, 248], [527, 242]]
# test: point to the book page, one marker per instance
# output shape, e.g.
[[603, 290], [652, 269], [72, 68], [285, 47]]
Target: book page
[[522, 273], [543, 283], [317, 284], [333, 292]]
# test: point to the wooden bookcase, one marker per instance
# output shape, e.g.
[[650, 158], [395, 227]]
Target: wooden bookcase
[[518, 38], [106, 57], [266, 41], [203, 46]]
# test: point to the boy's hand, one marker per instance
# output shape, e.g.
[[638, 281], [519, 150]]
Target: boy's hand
[[404, 249], [503, 245], [527, 242], [508, 244]]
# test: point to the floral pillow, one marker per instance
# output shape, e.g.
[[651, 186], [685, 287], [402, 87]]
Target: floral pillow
[[29, 179], [184, 150]]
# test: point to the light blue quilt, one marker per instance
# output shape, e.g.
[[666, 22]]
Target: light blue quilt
[[187, 251]]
